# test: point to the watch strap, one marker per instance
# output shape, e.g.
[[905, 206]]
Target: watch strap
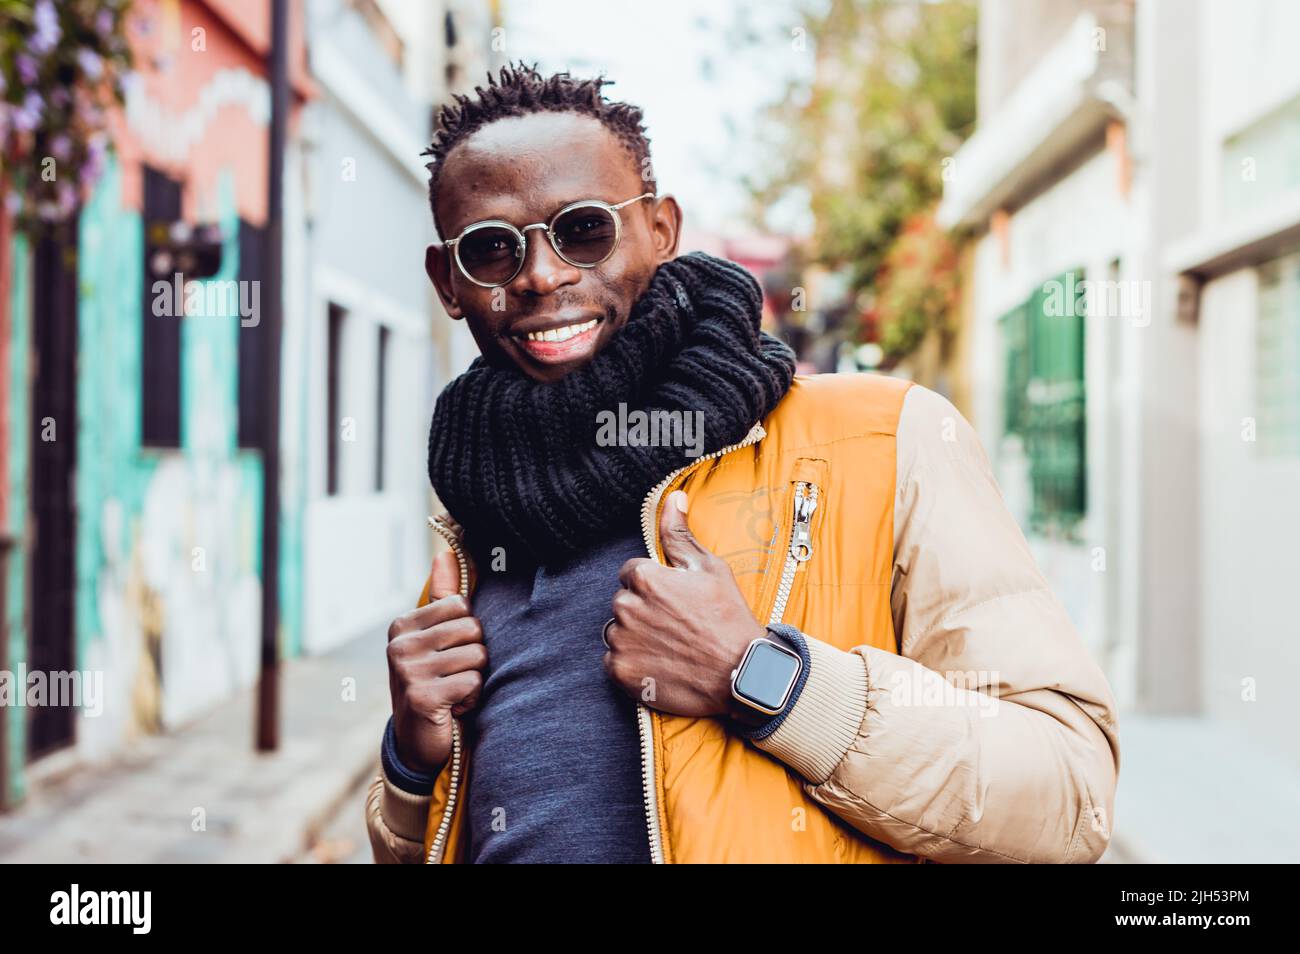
[[758, 725]]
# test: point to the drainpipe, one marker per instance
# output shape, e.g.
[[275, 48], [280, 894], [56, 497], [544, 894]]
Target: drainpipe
[[268, 689], [6, 543]]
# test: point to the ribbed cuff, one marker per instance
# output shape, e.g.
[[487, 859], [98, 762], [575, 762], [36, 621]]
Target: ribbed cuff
[[406, 815], [819, 728], [408, 780]]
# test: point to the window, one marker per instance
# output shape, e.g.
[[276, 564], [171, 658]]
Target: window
[[1261, 163], [333, 380], [1277, 360], [160, 339], [381, 378], [252, 264], [1044, 398]]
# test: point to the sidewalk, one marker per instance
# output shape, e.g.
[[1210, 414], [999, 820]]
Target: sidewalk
[[1191, 790], [145, 805]]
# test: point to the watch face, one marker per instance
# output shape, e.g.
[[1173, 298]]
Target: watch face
[[767, 676]]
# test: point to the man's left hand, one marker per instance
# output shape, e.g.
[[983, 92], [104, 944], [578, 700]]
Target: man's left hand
[[679, 630]]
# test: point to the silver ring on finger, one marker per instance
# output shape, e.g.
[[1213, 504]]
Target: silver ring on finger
[[604, 632]]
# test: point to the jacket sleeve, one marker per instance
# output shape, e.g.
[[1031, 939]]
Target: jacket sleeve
[[991, 736], [395, 820]]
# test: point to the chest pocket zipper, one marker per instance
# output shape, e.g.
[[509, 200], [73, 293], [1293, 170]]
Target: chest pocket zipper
[[800, 550]]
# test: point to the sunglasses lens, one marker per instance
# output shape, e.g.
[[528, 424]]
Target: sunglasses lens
[[490, 255], [585, 235]]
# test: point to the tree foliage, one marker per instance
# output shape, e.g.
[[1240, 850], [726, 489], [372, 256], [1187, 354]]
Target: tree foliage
[[892, 97], [62, 67]]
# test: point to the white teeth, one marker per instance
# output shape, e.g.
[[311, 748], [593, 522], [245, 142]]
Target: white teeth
[[561, 334]]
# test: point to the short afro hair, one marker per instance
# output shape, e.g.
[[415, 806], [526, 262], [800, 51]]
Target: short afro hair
[[519, 90]]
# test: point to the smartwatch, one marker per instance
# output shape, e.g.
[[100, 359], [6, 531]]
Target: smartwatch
[[765, 679]]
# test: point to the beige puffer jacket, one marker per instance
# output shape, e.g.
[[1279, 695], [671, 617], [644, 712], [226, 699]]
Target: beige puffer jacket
[[1013, 755]]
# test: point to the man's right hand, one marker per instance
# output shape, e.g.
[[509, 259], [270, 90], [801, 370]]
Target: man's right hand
[[436, 659]]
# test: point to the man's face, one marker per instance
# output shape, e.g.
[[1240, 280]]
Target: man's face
[[523, 170]]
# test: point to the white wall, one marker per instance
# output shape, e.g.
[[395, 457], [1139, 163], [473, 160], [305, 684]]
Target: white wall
[[1081, 220], [1250, 519], [1249, 67], [1249, 508], [367, 550]]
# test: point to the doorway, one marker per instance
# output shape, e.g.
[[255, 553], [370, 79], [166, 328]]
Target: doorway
[[53, 469]]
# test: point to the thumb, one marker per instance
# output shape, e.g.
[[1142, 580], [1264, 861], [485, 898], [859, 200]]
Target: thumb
[[445, 578], [680, 547]]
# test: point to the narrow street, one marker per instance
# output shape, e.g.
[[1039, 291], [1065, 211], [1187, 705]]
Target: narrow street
[[201, 793], [342, 838]]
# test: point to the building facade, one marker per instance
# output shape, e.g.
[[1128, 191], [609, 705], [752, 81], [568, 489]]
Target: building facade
[[133, 480], [1131, 330], [370, 346]]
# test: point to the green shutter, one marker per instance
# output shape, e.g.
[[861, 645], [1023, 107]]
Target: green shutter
[[1015, 332], [1045, 399]]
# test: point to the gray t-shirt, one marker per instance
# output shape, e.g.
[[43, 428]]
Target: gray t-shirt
[[556, 759]]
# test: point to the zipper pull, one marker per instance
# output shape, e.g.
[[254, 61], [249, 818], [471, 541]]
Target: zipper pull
[[805, 502]]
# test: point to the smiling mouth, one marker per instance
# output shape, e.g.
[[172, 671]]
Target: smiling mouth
[[558, 344]]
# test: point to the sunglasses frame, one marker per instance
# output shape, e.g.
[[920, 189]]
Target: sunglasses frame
[[521, 234]]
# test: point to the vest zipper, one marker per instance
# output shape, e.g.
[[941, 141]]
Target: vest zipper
[[649, 511], [437, 846], [800, 549]]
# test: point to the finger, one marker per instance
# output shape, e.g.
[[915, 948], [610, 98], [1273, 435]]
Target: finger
[[468, 703], [623, 607], [461, 691], [680, 547], [461, 631], [414, 654], [430, 615], [632, 574], [415, 657], [444, 580], [458, 659], [429, 695]]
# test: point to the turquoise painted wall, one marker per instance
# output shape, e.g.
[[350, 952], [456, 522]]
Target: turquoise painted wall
[[19, 452], [141, 511], [109, 459], [156, 516]]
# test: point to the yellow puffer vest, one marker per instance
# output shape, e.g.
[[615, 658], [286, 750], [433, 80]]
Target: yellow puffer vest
[[709, 796]]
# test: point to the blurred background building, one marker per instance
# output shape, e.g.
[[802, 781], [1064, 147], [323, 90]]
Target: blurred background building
[[1140, 162], [132, 472], [1078, 219]]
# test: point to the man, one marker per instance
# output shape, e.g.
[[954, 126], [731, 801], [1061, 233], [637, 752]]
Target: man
[[803, 628]]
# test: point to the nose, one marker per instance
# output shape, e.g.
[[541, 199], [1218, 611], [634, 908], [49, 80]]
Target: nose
[[543, 271]]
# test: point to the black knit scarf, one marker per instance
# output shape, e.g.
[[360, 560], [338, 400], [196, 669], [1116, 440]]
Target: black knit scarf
[[522, 465]]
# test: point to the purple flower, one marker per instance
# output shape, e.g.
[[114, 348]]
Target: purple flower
[[94, 161], [67, 198], [90, 63], [104, 23], [28, 116], [46, 32], [60, 147], [28, 68]]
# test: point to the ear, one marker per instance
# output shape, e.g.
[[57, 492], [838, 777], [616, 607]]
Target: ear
[[437, 263], [666, 227]]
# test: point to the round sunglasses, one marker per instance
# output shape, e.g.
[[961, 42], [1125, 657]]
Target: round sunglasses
[[583, 233]]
